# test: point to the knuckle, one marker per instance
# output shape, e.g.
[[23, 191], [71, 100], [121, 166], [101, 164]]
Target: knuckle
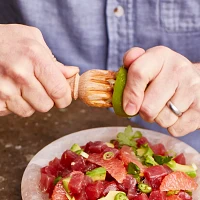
[[31, 49], [20, 75], [58, 91], [148, 112], [162, 122], [35, 30], [136, 72], [176, 130]]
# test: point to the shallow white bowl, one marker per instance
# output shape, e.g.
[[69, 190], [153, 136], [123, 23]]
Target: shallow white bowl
[[30, 181]]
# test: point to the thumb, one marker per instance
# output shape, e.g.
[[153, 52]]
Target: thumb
[[131, 55], [67, 71]]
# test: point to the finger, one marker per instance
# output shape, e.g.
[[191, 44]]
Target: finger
[[3, 110], [19, 106], [182, 99], [131, 55], [157, 95], [140, 73], [52, 80], [36, 96], [68, 71], [166, 117], [187, 123]]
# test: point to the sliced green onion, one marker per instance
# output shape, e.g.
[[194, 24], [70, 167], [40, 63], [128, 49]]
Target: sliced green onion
[[121, 196], [56, 180], [108, 155], [144, 188], [172, 192]]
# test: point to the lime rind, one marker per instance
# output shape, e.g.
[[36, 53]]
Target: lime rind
[[117, 98]]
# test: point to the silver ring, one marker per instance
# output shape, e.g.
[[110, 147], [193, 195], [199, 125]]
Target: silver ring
[[174, 109]]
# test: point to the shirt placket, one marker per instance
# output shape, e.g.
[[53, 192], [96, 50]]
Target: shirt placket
[[120, 29]]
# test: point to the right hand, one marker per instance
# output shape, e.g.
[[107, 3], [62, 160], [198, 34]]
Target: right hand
[[30, 77]]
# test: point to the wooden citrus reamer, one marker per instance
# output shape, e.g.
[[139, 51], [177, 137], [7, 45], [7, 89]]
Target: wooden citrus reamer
[[94, 87]]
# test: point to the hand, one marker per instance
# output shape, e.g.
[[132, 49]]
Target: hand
[[30, 77], [157, 76]]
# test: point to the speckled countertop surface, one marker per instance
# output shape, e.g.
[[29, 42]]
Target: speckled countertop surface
[[22, 138]]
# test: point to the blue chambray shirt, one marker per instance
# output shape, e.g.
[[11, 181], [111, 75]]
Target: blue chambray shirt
[[96, 33]]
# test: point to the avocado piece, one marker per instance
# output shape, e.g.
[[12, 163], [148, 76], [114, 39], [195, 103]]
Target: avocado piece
[[112, 195], [110, 144], [75, 147], [66, 183], [144, 150], [97, 174]]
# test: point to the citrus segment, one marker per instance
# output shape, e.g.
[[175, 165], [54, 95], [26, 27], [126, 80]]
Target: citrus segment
[[114, 166], [178, 181]]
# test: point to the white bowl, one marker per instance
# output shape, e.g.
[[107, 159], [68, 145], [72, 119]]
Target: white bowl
[[30, 181]]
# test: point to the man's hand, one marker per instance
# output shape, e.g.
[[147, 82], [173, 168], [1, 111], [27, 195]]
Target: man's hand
[[30, 77], [156, 77]]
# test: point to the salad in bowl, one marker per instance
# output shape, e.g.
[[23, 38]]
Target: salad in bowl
[[128, 164]]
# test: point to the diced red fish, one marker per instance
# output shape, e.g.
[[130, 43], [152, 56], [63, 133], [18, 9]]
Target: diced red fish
[[159, 149], [94, 190], [76, 183], [180, 159], [154, 175], [142, 196], [157, 195]]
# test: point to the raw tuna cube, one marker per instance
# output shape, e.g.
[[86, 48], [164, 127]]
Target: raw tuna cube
[[46, 183], [140, 197], [81, 196], [95, 147], [128, 186], [68, 157], [154, 175], [141, 141], [157, 195], [78, 164], [109, 186], [76, 182], [180, 159], [159, 149], [94, 190]]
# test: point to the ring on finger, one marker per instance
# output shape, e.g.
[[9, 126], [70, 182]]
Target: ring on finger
[[174, 109]]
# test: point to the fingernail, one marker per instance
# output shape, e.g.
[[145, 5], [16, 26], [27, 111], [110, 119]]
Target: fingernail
[[130, 108]]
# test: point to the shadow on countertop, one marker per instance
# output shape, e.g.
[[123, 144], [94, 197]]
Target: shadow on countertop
[[22, 138]]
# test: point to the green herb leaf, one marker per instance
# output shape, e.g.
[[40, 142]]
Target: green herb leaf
[[133, 169], [162, 159], [127, 137]]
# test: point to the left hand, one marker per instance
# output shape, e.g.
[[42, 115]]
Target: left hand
[[169, 77]]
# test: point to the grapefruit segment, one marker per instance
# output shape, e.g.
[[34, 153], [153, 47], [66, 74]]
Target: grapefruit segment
[[114, 166], [127, 155], [178, 181]]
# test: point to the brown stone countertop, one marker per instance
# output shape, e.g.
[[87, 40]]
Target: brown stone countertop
[[22, 138]]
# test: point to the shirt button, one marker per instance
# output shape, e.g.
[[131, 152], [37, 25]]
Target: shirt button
[[119, 11]]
